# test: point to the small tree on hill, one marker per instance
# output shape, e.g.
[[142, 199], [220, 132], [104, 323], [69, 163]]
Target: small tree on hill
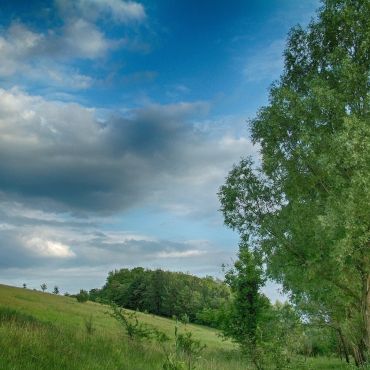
[[43, 287], [56, 290], [243, 317], [83, 296]]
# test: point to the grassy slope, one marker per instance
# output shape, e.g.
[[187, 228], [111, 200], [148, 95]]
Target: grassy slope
[[58, 338]]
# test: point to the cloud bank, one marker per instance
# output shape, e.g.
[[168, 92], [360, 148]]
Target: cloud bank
[[61, 156]]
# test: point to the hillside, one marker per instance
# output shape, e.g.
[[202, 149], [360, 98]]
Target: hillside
[[43, 331]]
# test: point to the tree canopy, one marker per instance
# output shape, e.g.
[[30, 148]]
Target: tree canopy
[[305, 205], [165, 293]]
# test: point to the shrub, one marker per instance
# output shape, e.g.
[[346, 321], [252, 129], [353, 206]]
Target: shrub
[[129, 321], [83, 296], [89, 325]]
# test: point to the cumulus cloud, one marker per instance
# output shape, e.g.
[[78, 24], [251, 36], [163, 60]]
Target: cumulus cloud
[[42, 57], [81, 39], [48, 248], [66, 244], [17, 43], [60, 155], [49, 57], [65, 171]]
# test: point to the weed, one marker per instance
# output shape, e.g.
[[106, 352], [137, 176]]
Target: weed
[[89, 325]]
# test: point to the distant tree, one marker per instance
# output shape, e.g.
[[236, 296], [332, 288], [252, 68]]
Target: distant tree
[[43, 287], [24, 285], [83, 296], [56, 290], [165, 293]]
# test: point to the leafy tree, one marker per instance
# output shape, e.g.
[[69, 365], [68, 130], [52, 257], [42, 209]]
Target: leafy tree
[[24, 285], [56, 290], [305, 208], [165, 293], [246, 312], [43, 287], [82, 296]]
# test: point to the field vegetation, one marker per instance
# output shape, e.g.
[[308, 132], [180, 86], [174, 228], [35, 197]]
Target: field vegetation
[[46, 331]]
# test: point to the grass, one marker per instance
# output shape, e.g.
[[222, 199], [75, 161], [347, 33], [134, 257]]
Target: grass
[[43, 331]]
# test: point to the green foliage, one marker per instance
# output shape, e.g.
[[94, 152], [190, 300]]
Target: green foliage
[[173, 363], [82, 296], [89, 325], [130, 323], [245, 317], [10, 315], [186, 351], [165, 293], [305, 209], [189, 348], [43, 287], [56, 290], [245, 281], [65, 345]]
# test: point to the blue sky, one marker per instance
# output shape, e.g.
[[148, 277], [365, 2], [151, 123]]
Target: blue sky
[[119, 121]]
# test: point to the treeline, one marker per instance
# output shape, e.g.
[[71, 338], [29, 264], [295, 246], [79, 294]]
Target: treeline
[[165, 293], [235, 306]]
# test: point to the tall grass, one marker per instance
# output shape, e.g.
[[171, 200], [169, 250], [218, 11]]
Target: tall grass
[[40, 331]]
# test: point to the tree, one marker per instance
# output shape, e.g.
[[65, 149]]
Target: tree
[[24, 285], [43, 287], [56, 290], [243, 316], [305, 208], [83, 296]]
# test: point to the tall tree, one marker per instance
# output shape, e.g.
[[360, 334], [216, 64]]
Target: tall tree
[[245, 313], [306, 206]]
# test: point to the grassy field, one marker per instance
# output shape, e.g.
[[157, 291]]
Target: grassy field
[[43, 331]]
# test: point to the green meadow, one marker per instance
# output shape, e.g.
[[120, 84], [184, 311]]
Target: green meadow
[[45, 331]]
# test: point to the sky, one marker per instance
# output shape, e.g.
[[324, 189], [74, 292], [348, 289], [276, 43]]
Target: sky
[[119, 121]]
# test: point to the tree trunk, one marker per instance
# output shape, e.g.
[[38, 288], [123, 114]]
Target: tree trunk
[[344, 346], [362, 350], [366, 315]]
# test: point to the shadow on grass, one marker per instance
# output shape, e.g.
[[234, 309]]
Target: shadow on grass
[[15, 317]]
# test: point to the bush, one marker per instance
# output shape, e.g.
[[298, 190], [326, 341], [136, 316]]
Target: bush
[[129, 321], [83, 296]]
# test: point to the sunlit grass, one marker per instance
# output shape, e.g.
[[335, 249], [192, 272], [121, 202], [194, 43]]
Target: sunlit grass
[[43, 331]]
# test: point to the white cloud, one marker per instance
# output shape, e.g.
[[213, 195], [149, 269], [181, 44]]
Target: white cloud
[[48, 248], [181, 254], [82, 39], [15, 209], [48, 57], [118, 10], [16, 45], [44, 57]]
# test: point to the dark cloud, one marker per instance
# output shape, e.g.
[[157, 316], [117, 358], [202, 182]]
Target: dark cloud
[[60, 157], [64, 174]]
